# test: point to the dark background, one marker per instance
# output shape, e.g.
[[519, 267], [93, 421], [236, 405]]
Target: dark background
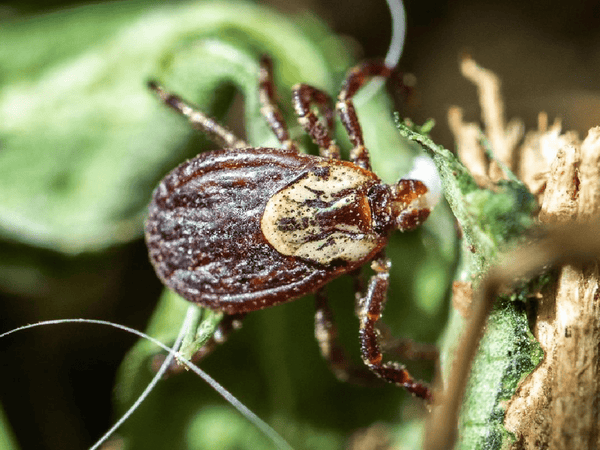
[[546, 53], [548, 57]]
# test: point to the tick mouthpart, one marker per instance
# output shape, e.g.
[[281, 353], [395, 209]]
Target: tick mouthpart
[[410, 204], [414, 197]]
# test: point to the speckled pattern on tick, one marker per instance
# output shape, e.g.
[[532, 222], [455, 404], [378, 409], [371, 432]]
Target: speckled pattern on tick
[[242, 228]]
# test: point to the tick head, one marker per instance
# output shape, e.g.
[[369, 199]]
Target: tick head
[[410, 204]]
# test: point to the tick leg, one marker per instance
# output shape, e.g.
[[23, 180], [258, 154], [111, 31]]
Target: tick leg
[[200, 121], [371, 308], [327, 336], [269, 108], [228, 324], [356, 78], [400, 347], [303, 97]]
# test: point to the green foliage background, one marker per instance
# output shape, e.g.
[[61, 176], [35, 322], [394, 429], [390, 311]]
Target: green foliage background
[[83, 145]]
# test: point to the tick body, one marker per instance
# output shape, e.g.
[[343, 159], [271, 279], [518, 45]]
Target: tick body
[[242, 229]]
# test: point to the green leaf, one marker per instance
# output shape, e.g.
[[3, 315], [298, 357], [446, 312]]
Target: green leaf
[[135, 371], [83, 141], [7, 440], [491, 221], [508, 353]]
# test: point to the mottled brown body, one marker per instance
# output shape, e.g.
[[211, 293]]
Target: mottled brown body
[[241, 229], [204, 229]]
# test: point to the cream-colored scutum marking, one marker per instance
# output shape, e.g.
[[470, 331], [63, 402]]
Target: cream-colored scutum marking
[[303, 235]]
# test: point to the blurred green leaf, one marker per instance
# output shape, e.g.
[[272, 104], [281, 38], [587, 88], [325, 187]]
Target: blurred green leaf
[[82, 141], [83, 144], [7, 440]]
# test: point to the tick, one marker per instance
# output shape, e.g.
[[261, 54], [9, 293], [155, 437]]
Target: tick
[[245, 228]]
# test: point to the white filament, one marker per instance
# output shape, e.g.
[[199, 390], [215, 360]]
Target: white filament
[[424, 170], [260, 424], [398, 32], [394, 50], [159, 373]]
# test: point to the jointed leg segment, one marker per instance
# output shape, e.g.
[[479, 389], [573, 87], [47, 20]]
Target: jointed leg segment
[[198, 119], [327, 337], [269, 108], [303, 97], [357, 77], [371, 309]]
